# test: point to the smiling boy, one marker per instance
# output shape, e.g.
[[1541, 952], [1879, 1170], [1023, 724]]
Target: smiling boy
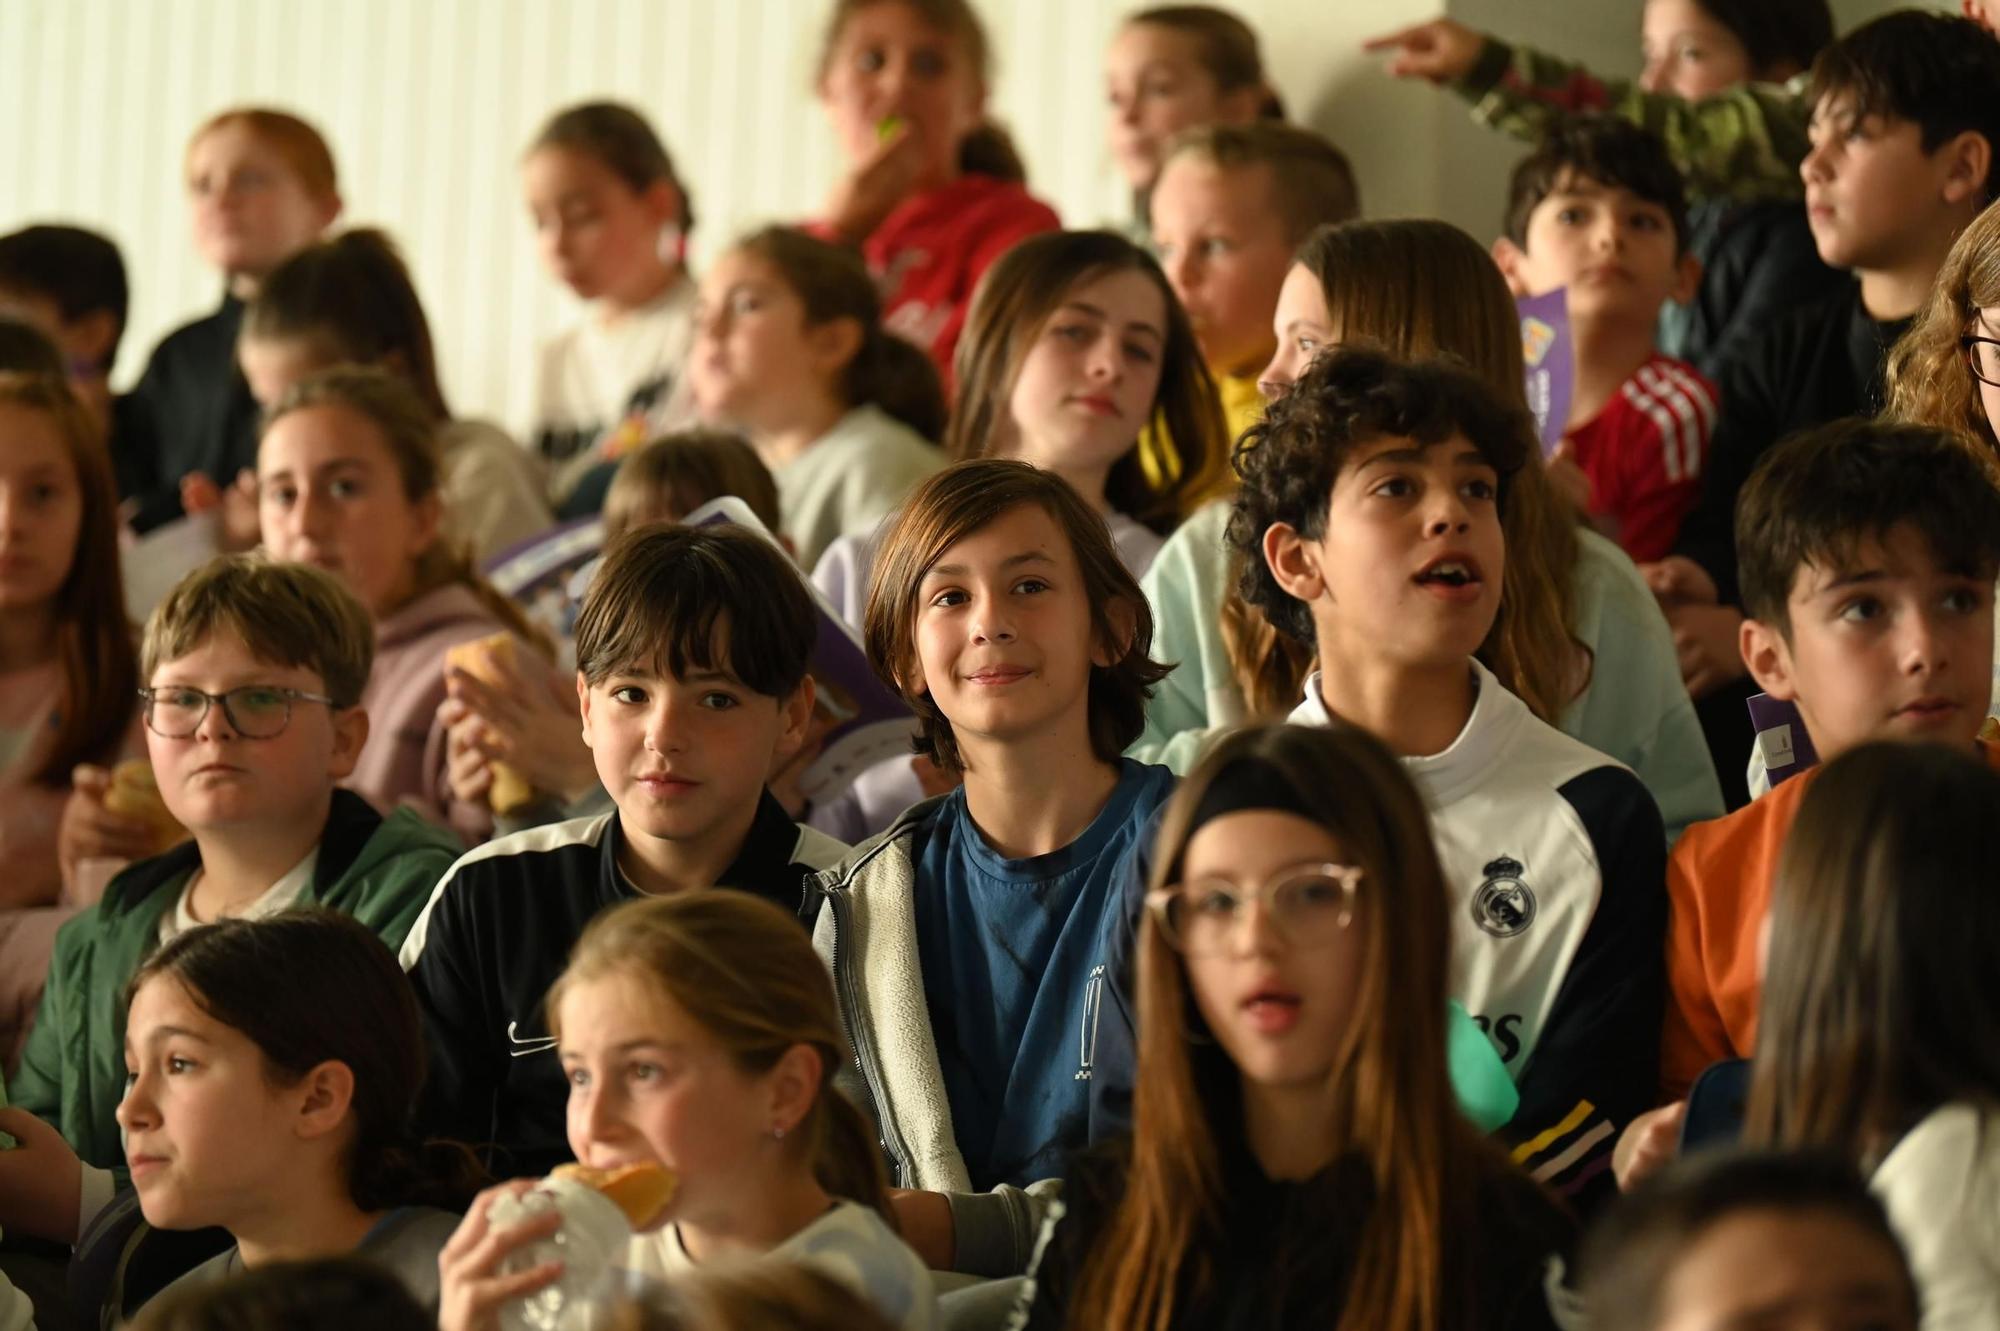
[[691, 651]]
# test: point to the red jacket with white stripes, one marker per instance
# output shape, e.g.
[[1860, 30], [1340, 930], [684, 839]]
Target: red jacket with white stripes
[[1645, 452]]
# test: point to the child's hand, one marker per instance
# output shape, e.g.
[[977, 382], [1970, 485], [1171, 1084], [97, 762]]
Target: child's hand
[[471, 1291], [532, 724], [1440, 51], [926, 1224], [41, 1180], [1708, 640], [874, 186], [240, 528], [1678, 580], [1648, 1144], [88, 830], [468, 768]]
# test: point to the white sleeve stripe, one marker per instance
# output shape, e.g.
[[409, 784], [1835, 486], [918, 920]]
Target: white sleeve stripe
[[1693, 398], [1671, 445], [1687, 417], [1578, 1149]]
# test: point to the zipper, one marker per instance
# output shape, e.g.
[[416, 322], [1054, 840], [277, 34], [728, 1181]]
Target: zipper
[[857, 1040]]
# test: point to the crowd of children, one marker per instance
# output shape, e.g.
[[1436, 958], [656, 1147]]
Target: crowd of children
[[1048, 777]]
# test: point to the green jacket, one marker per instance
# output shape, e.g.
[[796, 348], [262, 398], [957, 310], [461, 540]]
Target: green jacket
[[72, 1076], [1739, 145]]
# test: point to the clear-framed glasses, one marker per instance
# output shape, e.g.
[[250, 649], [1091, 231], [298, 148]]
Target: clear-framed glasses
[[1307, 905], [255, 711], [1983, 355]]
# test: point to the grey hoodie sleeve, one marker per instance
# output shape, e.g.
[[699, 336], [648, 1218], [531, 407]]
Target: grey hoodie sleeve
[[995, 1231]]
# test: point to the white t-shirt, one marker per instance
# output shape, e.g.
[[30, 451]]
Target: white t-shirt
[[281, 895], [849, 1243], [850, 478]]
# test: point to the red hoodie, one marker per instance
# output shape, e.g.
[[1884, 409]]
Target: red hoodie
[[929, 253]]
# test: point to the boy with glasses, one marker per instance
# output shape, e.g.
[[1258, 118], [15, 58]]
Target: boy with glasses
[[253, 672]]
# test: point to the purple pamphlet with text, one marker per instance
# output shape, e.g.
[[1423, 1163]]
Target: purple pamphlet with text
[[1782, 742], [1551, 362], [870, 723]]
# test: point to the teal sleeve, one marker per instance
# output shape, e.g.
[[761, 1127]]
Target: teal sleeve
[[1185, 588], [1485, 1092]]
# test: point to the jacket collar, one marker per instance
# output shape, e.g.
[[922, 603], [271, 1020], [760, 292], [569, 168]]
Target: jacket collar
[[1446, 775]]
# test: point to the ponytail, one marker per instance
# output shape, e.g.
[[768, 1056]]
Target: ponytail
[[847, 1161], [896, 376], [443, 1174], [1269, 667]]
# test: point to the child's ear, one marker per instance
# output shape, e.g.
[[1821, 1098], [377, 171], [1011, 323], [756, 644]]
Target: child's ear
[[1122, 620], [794, 1084], [329, 209], [1294, 563], [797, 714], [662, 202], [428, 515], [1769, 659], [1687, 279], [350, 733], [1965, 159], [326, 1092], [834, 342], [1510, 258], [583, 705]]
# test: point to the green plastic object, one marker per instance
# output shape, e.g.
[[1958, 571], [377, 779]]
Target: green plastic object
[[1485, 1092]]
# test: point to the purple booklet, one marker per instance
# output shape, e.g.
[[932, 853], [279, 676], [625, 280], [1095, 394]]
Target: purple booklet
[[1551, 363], [870, 722], [1782, 743]]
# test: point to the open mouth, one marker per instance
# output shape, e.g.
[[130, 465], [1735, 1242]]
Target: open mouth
[[1453, 572], [1272, 1011]]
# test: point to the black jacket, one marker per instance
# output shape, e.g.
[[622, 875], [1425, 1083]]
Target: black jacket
[[197, 415], [1758, 263], [497, 933]]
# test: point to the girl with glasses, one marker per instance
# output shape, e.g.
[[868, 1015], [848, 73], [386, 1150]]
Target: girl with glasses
[[1296, 1156]]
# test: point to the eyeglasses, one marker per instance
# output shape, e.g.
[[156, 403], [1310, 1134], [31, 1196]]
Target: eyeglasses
[[1983, 355], [1308, 906], [255, 711]]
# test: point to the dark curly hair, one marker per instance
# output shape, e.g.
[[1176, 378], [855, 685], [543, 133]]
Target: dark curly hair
[[1289, 460]]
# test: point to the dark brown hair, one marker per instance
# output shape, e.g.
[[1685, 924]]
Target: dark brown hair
[[1225, 46], [1012, 303], [753, 1296], [832, 283], [1878, 1002], [745, 971], [956, 19], [952, 505], [1818, 495], [1312, 182], [620, 137], [352, 299], [714, 598], [291, 615], [1929, 375], [313, 986], [1607, 151], [1397, 1110], [1777, 35], [676, 474], [80, 270], [93, 639], [329, 1294]]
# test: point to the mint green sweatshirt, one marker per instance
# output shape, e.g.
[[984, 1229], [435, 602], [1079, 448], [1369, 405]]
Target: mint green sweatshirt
[[1635, 708]]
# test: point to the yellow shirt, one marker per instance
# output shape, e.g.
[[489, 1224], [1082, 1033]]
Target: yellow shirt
[[1242, 407]]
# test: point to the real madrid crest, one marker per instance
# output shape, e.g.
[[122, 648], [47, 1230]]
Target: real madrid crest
[[1503, 906]]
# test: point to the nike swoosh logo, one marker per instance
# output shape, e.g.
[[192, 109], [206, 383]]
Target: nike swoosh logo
[[524, 1047]]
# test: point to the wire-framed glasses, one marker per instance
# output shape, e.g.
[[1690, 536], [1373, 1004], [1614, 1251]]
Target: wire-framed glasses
[[1307, 905], [254, 711]]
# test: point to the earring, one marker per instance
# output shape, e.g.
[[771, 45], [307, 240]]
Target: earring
[[672, 244], [777, 1134]]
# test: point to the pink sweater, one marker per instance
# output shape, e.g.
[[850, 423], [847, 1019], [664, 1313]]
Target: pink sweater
[[404, 759]]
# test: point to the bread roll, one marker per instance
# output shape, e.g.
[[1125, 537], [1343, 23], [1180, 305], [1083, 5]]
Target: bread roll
[[482, 659], [641, 1190], [135, 793]]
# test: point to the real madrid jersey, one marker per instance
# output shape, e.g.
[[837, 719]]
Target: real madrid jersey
[[1555, 857]]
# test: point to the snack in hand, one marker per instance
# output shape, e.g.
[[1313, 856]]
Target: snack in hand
[[483, 659], [135, 794], [886, 127], [641, 1190]]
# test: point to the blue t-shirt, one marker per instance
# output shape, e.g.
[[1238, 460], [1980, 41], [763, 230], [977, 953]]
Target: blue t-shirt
[[1013, 955]]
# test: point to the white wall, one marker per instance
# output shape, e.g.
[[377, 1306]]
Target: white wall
[[428, 102]]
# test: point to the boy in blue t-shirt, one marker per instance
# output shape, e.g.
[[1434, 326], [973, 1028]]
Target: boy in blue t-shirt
[[968, 941]]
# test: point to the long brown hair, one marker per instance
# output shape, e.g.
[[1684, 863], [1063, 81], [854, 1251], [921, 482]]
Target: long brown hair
[[1414, 288], [746, 972], [1396, 1108], [1879, 1004], [94, 650], [1930, 382], [391, 404], [1015, 299]]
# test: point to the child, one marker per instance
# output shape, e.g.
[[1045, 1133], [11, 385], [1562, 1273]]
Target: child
[[790, 350], [270, 1068], [347, 480], [1597, 211], [1231, 207], [260, 188], [1580, 639], [1903, 157], [1293, 1098], [1711, 91], [67, 668], [330, 1294], [904, 83], [1945, 372], [1740, 1239], [254, 676], [1000, 609], [1173, 68], [350, 300], [1879, 1006], [1369, 520], [70, 283], [611, 219], [1868, 554], [700, 1032], [1074, 345], [691, 671]]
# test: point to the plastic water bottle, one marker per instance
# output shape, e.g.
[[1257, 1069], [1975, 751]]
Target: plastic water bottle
[[593, 1235]]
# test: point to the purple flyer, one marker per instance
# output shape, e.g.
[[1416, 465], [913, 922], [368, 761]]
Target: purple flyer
[[1551, 362], [1782, 742]]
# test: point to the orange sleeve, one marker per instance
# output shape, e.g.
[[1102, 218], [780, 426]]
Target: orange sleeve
[[1694, 1035]]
